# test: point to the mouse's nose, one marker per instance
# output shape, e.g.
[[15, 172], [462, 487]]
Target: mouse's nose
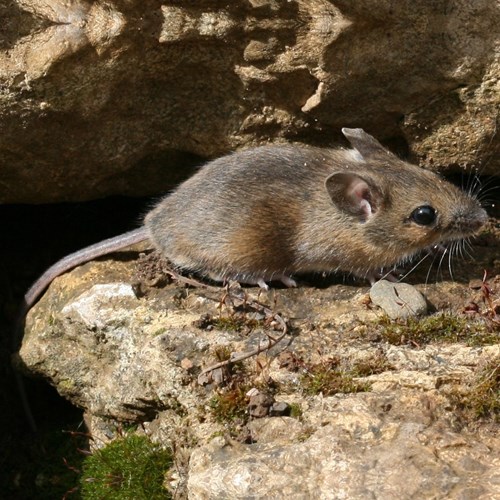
[[470, 219]]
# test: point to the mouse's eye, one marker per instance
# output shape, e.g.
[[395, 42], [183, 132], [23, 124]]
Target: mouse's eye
[[424, 215]]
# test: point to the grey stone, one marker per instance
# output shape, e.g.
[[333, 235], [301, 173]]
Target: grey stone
[[398, 300], [279, 409], [355, 454], [260, 404]]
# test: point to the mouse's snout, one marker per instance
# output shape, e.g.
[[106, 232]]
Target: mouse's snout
[[469, 220], [481, 218]]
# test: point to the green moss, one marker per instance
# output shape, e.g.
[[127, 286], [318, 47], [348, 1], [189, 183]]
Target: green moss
[[481, 400], [128, 428], [437, 328], [295, 410], [217, 434], [330, 378], [128, 468], [377, 363], [234, 323]]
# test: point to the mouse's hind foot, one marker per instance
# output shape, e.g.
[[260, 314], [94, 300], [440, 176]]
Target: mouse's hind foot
[[261, 280], [286, 280]]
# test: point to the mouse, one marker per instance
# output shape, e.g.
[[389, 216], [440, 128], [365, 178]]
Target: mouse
[[269, 213], [272, 212]]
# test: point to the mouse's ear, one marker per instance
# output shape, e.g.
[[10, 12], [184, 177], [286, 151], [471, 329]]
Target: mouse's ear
[[366, 145], [353, 194]]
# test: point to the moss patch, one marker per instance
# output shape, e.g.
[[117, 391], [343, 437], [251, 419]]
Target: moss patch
[[230, 405], [296, 411], [329, 377], [481, 399], [131, 467], [232, 322], [437, 328]]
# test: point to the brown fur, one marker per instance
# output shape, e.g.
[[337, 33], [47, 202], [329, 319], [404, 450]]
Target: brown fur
[[266, 212]]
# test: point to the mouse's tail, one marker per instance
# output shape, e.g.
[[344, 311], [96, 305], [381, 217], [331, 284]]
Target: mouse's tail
[[79, 257], [65, 264]]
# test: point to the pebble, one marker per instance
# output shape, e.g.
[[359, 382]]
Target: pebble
[[279, 409], [260, 404], [398, 300]]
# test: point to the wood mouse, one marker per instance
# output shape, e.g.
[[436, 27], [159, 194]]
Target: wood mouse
[[270, 212]]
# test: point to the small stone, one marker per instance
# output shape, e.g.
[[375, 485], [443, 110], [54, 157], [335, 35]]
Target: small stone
[[218, 376], [257, 316], [205, 378], [260, 404], [204, 322], [215, 376], [398, 300], [187, 364], [279, 409]]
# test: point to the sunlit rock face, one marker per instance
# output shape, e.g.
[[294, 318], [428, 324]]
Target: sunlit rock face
[[99, 98]]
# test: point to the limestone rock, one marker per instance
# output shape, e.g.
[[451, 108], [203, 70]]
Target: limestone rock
[[102, 98], [358, 453], [128, 358]]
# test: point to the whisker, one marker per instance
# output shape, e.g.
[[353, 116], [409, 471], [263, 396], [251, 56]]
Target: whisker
[[461, 249], [387, 273], [464, 251], [439, 271], [430, 268], [450, 255], [414, 267], [487, 189], [484, 182], [474, 185]]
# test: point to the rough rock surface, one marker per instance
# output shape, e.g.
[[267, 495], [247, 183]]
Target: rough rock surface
[[99, 97], [386, 424], [364, 447]]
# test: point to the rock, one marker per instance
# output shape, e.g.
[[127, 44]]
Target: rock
[[128, 358], [106, 98], [272, 430], [398, 300], [187, 364], [358, 453], [476, 284], [260, 404], [279, 409]]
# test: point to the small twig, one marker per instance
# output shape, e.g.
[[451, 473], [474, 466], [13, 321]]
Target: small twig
[[272, 341], [245, 300]]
